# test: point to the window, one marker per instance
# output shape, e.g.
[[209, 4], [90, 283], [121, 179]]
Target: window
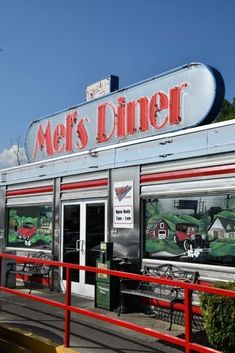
[[30, 227], [199, 228], [161, 234]]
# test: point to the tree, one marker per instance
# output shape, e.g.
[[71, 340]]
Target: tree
[[18, 151], [227, 111]]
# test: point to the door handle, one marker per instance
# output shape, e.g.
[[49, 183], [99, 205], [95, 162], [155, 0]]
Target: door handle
[[83, 250], [78, 242], [81, 246]]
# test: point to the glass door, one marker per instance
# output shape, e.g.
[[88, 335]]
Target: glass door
[[84, 227], [71, 238]]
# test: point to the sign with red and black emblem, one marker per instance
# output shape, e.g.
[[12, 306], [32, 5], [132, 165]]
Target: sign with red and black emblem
[[123, 204]]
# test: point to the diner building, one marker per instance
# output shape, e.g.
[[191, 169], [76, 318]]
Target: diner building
[[143, 167]]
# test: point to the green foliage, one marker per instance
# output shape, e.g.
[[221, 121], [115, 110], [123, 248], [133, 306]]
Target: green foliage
[[184, 218], [13, 239], [226, 214], [157, 245], [152, 209], [46, 239], [205, 221], [219, 318], [223, 247], [227, 111]]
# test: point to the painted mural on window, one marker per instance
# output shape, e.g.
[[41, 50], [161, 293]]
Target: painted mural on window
[[30, 227], [200, 229]]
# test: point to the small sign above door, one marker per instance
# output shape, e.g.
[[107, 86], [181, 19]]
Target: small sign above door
[[123, 215]]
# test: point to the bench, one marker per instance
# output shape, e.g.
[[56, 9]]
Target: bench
[[28, 271], [165, 294]]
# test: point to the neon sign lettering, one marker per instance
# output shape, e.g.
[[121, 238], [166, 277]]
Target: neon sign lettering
[[126, 118], [61, 139], [166, 103]]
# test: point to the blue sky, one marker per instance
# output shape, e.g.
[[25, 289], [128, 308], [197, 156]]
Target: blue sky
[[52, 49]]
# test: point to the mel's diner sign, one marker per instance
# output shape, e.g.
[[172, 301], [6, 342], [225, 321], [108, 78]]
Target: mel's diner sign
[[182, 98]]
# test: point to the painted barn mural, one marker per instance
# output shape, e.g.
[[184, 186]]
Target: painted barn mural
[[199, 229]]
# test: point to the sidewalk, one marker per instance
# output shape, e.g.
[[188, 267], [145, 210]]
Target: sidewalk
[[87, 335]]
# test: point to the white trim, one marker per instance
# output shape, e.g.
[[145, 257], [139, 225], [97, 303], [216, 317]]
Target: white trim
[[123, 144], [28, 249], [195, 187], [26, 201], [217, 268], [80, 287]]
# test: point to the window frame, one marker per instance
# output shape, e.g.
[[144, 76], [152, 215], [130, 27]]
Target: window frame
[[175, 197], [29, 248]]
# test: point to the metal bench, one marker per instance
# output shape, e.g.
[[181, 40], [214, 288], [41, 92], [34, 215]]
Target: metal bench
[[28, 271], [161, 292]]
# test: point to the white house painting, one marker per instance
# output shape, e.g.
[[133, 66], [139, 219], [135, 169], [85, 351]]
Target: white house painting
[[222, 228]]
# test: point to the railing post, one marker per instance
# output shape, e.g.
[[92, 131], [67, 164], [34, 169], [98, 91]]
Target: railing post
[[67, 304], [188, 318]]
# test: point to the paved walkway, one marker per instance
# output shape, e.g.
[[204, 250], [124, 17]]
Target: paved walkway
[[87, 335]]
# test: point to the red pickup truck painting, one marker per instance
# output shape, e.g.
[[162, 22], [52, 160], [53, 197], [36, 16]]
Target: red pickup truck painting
[[26, 232], [188, 236]]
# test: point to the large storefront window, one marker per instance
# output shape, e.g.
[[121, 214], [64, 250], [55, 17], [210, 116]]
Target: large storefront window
[[30, 227], [199, 229]]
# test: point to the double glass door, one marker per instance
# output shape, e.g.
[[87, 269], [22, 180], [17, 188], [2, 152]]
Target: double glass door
[[84, 227]]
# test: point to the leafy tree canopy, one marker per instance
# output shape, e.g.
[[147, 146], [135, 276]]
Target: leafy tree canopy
[[227, 111]]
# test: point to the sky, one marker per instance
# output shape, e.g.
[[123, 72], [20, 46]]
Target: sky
[[51, 50]]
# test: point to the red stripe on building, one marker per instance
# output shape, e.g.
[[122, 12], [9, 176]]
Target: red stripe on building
[[36, 190], [84, 184], [189, 173]]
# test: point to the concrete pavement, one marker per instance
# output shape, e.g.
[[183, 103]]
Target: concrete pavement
[[87, 334]]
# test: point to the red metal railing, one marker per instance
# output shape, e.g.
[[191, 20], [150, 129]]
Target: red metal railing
[[68, 308]]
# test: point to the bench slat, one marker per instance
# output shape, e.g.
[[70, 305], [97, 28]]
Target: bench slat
[[172, 295], [32, 269]]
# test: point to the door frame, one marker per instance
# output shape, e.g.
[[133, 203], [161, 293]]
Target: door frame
[[81, 287]]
